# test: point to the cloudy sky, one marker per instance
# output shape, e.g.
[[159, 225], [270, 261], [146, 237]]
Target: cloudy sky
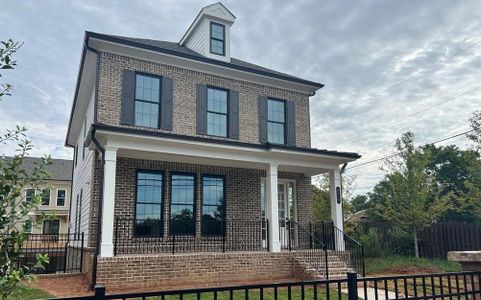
[[388, 66]]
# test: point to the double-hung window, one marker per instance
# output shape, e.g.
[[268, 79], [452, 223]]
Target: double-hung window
[[29, 195], [148, 207], [45, 197], [61, 198], [147, 100], [217, 112], [182, 207], [276, 121], [213, 205], [217, 38]]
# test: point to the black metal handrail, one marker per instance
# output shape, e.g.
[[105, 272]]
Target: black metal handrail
[[313, 251], [344, 246], [186, 236]]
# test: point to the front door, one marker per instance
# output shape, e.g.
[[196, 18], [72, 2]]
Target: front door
[[286, 208]]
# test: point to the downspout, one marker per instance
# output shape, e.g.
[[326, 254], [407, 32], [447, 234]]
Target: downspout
[[98, 234], [343, 168]]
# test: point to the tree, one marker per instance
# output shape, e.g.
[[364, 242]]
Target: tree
[[15, 223], [321, 197], [475, 123], [405, 195], [359, 203]]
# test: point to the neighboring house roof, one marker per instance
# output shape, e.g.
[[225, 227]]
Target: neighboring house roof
[[359, 217], [60, 169], [175, 48]]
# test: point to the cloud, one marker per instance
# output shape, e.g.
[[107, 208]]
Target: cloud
[[361, 50]]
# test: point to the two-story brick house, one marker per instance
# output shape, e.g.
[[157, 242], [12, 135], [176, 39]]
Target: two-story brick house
[[195, 166]]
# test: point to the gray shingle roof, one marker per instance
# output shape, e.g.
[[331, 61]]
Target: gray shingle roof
[[177, 49], [60, 169]]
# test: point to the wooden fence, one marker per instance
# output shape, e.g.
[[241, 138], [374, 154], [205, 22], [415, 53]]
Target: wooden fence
[[438, 239], [434, 241]]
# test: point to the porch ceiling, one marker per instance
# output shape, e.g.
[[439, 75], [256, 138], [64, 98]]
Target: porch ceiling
[[219, 154]]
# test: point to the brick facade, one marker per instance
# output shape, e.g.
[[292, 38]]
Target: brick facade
[[242, 189], [184, 107], [197, 270]]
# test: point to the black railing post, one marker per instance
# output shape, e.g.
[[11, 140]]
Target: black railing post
[[99, 292], [362, 261], [173, 241], [267, 236], [310, 235], [223, 236], [326, 262], [323, 233], [65, 254], [116, 235], [81, 252], [288, 223], [352, 286]]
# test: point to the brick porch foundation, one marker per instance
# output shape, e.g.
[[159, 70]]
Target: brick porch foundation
[[196, 270]]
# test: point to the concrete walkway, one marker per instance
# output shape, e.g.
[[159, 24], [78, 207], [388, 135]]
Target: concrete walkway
[[371, 294]]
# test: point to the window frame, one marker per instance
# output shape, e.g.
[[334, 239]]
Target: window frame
[[218, 113], [194, 204], [213, 38], [284, 102], [50, 220], [162, 203], [64, 198], [145, 101], [49, 197], [224, 215], [33, 196]]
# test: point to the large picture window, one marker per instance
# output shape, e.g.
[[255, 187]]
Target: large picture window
[[147, 98], [276, 121], [217, 112], [213, 205], [182, 207], [148, 207], [217, 38]]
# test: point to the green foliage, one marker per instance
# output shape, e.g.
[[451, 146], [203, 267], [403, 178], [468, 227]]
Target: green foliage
[[372, 242], [359, 203], [15, 223], [475, 123], [394, 263]]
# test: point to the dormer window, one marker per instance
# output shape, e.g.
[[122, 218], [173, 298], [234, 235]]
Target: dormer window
[[217, 38]]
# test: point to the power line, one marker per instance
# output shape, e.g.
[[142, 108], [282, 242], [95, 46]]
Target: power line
[[396, 153], [420, 72], [389, 125]]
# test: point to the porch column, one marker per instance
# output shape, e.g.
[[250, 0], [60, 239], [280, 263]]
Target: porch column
[[106, 246], [336, 206], [271, 208]]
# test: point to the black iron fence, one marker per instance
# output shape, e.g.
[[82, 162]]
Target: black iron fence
[[463, 285], [65, 252], [181, 237], [343, 245]]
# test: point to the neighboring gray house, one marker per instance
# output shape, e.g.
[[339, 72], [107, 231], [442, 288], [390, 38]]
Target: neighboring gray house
[[182, 149], [55, 194]]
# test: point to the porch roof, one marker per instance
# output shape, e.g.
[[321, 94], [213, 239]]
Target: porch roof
[[147, 144]]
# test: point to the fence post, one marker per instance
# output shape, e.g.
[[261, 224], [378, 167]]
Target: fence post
[[363, 262], [352, 286], [66, 254], [99, 292], [289, 233], [81, 252], [323, 232]]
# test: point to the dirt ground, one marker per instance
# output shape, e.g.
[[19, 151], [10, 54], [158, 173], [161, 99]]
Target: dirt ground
[[77, 285]]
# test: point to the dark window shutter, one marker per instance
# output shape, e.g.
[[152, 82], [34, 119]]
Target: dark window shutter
[[166, 103], [262, 119], [128, 92], [234, 115], [201, 108], [291, 124]]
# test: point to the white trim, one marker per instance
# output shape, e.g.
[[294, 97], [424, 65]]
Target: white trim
[[110, 164]]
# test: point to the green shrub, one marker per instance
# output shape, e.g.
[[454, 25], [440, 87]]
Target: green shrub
[[372, 242]]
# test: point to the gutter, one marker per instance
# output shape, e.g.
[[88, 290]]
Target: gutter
[[99, 210]]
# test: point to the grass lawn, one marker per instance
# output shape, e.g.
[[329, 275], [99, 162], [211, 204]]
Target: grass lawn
[[268, 294], [408, 265], [28, 293]]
